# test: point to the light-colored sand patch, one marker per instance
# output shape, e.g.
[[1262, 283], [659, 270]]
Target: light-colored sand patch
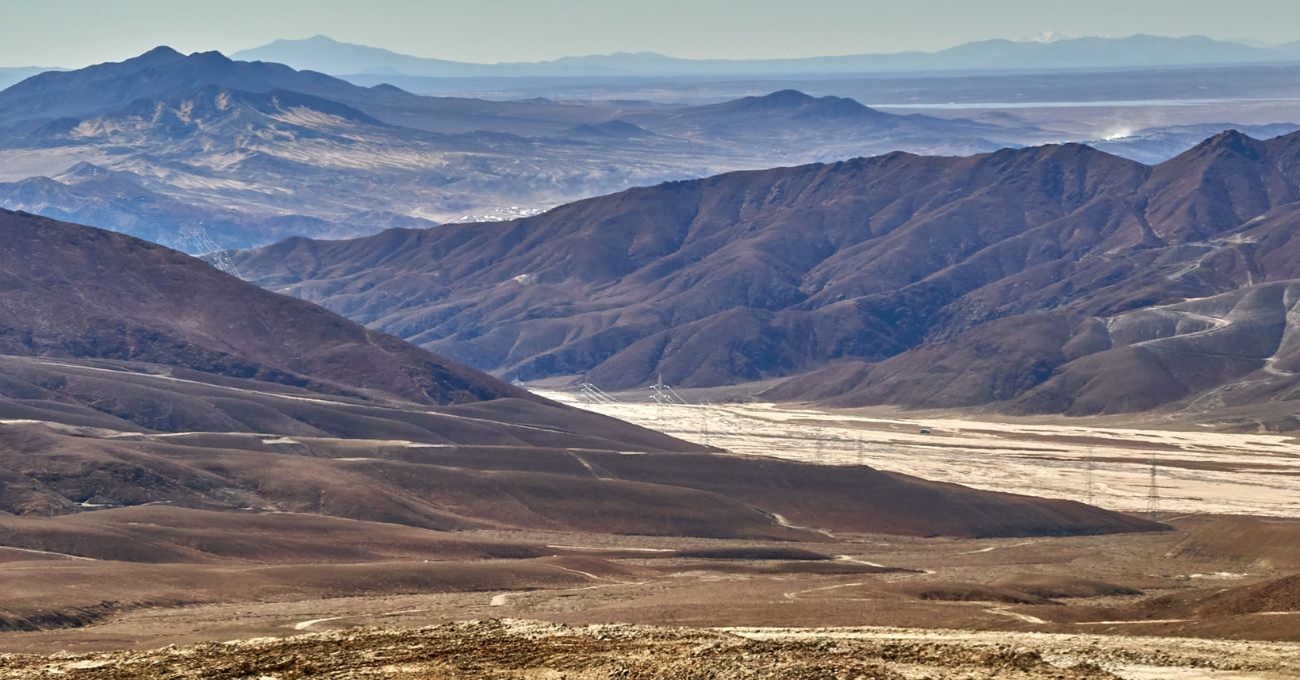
[[1197, 472], [304, 625]]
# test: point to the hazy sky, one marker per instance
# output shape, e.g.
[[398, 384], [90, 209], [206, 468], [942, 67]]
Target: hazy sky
[[79, 32]]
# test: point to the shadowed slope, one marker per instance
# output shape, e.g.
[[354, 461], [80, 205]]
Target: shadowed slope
[[72, 291], [1045, 279]]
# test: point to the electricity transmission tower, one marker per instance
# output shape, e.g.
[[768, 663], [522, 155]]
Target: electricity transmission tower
[[193, 238], [1153, 494], [664, 394], [1089, 482], [704, 424]]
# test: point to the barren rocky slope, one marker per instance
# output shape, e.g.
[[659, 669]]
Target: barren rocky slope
[[1049, 279], [76, 292], [133, 374]]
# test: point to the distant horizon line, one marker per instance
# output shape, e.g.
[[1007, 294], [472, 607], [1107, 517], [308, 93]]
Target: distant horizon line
[[1029, 39]]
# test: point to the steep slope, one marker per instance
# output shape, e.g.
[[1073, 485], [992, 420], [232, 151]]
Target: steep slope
[[997, 278], [693, 278], [75, 292], [131, 375]]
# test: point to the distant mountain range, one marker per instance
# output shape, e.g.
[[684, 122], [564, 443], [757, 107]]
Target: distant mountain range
[[197, 149], [1055, 279], [201, 152], [12, 75], [321, 53]]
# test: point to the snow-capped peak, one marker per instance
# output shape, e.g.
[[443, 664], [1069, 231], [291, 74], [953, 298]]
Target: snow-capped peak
[[1046, 37]]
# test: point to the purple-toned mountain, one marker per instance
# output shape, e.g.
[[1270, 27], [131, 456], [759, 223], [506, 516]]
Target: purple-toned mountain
[[131, 374], [1018, 278], [71, 292]]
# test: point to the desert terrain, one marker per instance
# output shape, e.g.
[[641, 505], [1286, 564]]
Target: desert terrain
[[1215, 596], [1198, 470], [341, 360], [523, 649], [624, 606]]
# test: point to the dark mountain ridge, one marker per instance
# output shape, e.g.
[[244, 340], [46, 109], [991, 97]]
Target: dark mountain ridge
[[162, 73], [157, 73], [989, 279], [76, 292]]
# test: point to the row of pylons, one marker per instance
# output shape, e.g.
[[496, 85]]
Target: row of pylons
[[661, 394], [1153, 486]]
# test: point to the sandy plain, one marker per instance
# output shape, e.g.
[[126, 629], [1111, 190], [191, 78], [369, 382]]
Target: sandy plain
[[1197, 471]]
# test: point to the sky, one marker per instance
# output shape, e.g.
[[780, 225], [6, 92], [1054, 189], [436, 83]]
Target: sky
[[74, 33]]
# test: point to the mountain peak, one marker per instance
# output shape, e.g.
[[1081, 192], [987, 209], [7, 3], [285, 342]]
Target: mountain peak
[[1046, 37], [1231, 137], [1230, 141], [781, 100], [160, 73], [83, 170], [161, 54], [212, 57], [1054, 154], [787, 97]]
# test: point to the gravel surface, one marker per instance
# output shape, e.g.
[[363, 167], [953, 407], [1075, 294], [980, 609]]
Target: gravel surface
[[522, 649]]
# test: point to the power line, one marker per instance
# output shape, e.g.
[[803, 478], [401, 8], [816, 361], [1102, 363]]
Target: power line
[[594, 395]]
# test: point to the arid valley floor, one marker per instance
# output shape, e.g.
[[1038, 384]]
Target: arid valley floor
[[1199, 470], [1215, 597]]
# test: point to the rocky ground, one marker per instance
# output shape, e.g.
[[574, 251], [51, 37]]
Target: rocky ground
[[520, 649]]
